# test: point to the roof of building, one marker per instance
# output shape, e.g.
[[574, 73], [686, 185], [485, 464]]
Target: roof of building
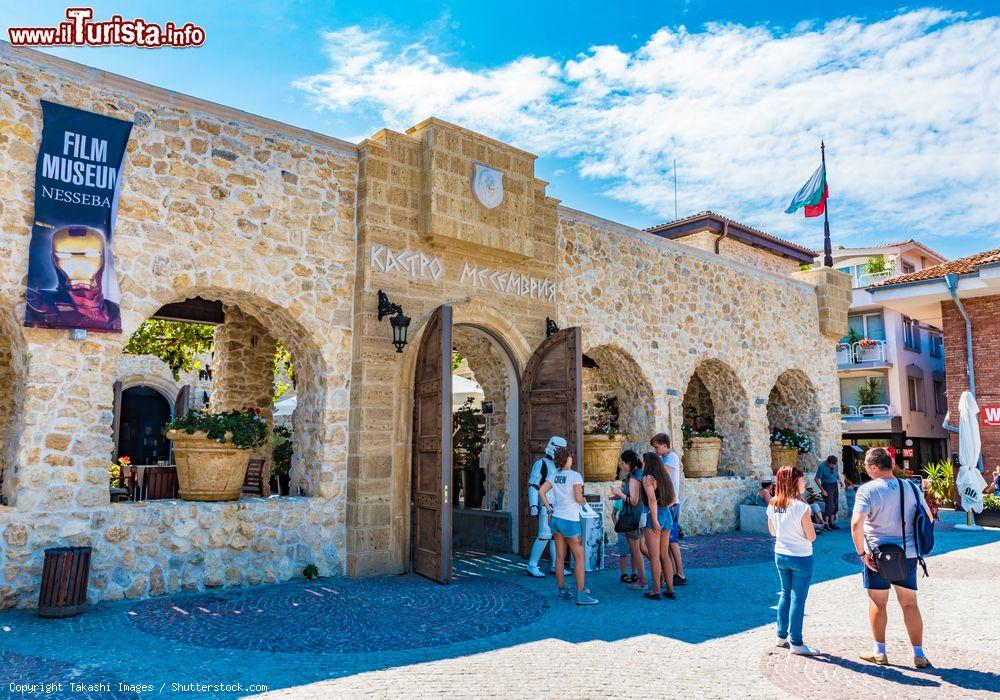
[[739, 231], [962, 266], [897, 244]]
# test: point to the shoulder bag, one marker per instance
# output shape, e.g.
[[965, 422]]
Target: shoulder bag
[[628, 519]]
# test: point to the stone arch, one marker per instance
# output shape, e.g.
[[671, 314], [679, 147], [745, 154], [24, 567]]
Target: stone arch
[[617, 373], [465, 312], [254, 323], [13, 374], [147, 370], [793, 403], [714, 397]]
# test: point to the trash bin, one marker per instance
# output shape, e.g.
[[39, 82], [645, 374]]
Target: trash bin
[[65, 576]]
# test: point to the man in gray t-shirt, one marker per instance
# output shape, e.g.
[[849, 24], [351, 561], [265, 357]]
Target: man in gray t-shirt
[[877, 521]]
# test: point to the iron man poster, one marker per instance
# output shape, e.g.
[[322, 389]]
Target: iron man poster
[[71, 271]]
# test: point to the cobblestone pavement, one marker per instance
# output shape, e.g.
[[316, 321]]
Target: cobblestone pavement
[[497, 632]]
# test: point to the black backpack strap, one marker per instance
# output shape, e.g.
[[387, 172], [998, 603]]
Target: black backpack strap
[[920, 559], [902, 513]]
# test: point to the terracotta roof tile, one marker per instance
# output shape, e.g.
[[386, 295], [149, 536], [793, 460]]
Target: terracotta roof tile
[[962, 266], [666, 226]]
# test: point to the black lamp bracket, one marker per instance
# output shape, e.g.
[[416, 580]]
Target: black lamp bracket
[[386, 307]]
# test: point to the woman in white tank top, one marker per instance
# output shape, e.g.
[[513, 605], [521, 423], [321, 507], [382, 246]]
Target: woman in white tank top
[[790, 521]]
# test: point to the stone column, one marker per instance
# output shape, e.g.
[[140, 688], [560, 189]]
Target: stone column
[[243, 370]]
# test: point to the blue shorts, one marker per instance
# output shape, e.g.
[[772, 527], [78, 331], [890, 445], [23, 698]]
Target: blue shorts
[[564, 527], [675, 513], [873, 582], [663, 515]]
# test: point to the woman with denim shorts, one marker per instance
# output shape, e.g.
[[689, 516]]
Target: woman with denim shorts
[[657, 496], [565, 487]]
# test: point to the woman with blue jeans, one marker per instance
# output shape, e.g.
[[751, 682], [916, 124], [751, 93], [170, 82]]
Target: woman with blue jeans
[[790, 522]]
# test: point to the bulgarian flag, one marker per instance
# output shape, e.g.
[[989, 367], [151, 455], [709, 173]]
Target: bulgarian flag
[[812, 196]]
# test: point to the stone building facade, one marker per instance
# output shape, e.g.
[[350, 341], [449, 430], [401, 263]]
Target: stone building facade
[[295, 233]]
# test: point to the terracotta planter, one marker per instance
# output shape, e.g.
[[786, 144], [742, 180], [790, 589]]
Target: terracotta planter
[[783, 457], [208, 470], [701, 458], [600, 457]]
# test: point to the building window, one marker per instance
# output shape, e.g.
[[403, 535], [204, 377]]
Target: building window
[[937, 345], [908, 268], [940, 400], [867, 325], [911, 334], [916, 389]]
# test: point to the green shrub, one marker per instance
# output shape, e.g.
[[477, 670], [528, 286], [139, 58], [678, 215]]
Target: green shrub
[[991, 501], [244, 429], [941, 476]]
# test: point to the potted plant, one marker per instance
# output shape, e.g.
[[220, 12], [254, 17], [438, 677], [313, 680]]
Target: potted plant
[[468, 442], [786, 446], [281, 459], [941, 483], [702, 450], [602, 440], [870, 392], [211, 451]]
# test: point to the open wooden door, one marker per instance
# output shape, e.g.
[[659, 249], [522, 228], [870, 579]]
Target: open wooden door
[[551, 404], [182, 403], [430, 523], [116, 421]]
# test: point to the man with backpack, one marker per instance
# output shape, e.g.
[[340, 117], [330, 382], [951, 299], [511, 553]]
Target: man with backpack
[[891, 537]]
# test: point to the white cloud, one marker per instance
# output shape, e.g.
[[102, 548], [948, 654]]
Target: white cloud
[[907, 106]]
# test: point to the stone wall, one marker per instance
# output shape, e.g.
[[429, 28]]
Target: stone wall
[[156, 547], [13, 361], [214, 203], [792, 404], [731, 248], [672, 308]]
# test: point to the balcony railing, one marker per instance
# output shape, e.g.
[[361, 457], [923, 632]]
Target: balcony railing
[[872, 411], [867, 351], [862, 281]]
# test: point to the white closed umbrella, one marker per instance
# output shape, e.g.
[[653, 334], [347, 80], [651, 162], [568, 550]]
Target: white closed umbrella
[[970, 481]]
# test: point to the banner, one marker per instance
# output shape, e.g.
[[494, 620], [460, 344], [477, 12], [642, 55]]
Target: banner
[[71, 271]]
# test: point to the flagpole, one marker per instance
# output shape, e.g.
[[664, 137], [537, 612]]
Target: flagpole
[[827, 247]]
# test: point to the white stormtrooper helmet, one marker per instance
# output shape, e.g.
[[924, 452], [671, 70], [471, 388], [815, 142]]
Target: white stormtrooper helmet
[[555, 442]]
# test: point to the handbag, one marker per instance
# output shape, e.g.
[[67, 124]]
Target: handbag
[[628, 520], [890, 559]]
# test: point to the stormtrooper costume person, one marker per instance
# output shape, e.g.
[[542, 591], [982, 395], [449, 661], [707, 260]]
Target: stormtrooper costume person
[[540, 470]]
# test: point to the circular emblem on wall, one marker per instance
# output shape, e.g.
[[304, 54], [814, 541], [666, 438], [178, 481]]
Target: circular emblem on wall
[[487, 185]]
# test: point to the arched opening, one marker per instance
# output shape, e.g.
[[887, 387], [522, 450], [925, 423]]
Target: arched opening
[[715, 400], [612, 378], [144, 412], [247, 351], [485, 393], [793, 405], [13, 363]]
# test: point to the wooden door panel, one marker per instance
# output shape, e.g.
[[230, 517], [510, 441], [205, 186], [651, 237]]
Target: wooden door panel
[[551, 404], [430, 524]]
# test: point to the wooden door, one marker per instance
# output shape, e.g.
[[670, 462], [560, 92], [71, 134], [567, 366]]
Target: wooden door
[[551, 404], [116, 421], [430, 524]]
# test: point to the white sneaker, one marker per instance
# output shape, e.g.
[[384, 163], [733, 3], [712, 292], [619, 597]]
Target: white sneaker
[[781, 642], [804, 650], [534, 571]]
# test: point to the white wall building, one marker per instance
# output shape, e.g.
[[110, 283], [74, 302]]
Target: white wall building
[[898, 360]]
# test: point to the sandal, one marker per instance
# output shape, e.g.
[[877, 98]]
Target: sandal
[[635, 578], [651, 595], [625, 578]]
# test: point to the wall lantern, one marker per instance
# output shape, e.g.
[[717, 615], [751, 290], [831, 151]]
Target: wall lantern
[[550, 327], [400, 323]]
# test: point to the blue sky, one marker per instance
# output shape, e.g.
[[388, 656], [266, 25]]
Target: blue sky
[[610, 94]]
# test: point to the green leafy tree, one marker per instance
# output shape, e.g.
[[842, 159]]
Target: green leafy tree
[[282, 368], [175, 342]]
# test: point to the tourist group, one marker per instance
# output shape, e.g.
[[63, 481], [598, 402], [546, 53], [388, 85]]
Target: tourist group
[[891, 527]]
